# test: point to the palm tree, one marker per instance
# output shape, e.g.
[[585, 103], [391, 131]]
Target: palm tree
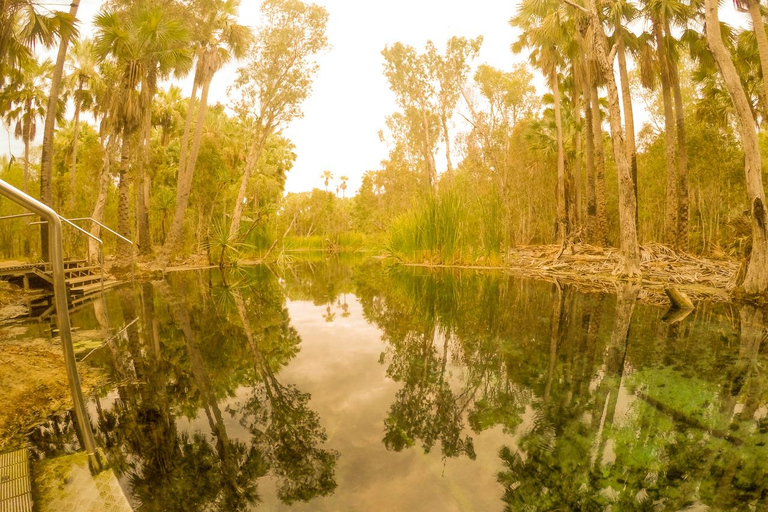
[[22, 26], [758, 25], [630, 249], [544, 34], [327, 177], [620, 14], [344, 187], [24, 101], [146, 42], [219, 39], [167, 112], [756, 279], [83, 63], [52, 115]]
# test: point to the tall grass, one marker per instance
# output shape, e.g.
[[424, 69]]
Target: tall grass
[[455, 225]]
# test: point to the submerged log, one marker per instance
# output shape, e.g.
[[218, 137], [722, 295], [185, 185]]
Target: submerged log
[[678, 299]]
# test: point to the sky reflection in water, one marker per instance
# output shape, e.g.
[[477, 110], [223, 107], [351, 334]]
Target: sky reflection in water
[[343, 385]]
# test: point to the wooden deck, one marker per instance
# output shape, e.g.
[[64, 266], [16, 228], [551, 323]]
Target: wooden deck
[[82, 281]]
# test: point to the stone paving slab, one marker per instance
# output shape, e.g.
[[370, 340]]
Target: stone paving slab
[[15, 487], [65, 484]]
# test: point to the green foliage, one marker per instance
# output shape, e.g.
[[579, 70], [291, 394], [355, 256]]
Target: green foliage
[[454, 225]]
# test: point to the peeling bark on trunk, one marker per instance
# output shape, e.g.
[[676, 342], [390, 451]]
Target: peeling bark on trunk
[[184, 182], [250, 165], [100, 205], [629, 116], [756, 280]]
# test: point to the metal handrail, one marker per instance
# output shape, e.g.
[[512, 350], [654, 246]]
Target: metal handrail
[[105, 227], [62, 312], [86, 233], [18, 216]]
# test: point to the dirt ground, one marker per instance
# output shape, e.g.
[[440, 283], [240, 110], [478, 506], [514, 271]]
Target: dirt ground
[[33, 385]]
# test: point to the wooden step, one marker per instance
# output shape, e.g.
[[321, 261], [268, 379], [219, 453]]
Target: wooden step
[[94, 270], [90, 288], [81, 280]]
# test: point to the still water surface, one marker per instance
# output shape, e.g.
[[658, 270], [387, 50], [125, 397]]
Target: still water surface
[[342, 386]]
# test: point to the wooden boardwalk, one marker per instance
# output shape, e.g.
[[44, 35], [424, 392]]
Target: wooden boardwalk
[[15, 484], [83, 281]]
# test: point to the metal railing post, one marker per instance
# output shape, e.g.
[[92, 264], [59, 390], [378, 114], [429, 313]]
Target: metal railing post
[[62, 313]]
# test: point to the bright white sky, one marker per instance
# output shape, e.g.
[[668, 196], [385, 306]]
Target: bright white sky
[[351, 98]]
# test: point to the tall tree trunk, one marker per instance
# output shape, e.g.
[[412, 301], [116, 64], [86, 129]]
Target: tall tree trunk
[[447, 142], [184, 182], [73, 168], [629, 116], [428, 158], [601, 225], [187, 128], [683, 201], [630, 249], [577, 213], [562, 206], [670, 224], [250, 165], [101, 202], [589, 158], [124, 249], [144, 240], [682, 152], [27, 136], [758, 25], [46, 161], [756, 280]]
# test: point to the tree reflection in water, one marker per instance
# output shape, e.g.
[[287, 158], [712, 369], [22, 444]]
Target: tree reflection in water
[[608, 404], [208, 348], [596, 401]]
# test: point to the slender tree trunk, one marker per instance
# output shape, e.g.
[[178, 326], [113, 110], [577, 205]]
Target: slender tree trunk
[[629, 116], [46, 161], [562, 205], [27, 136], [187, 128], [758, 25], [756, 280], [669, 135], [431, 171], [683, 201], [447, 142], [589, 159], [101, 202], [144, 240], [577, 213], [123, 206], [184, 183], [250, 165], [73, 169], [601, 226], [630, 249]]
